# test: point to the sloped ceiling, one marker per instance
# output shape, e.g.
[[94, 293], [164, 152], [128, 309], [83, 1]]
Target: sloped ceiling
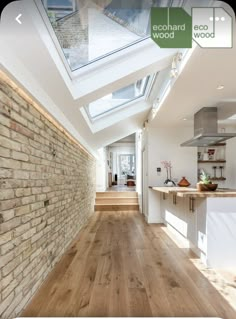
[[29, 56], [197, 85]]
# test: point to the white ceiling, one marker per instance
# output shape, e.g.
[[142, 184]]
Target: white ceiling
[[127, 139], [196, 87]]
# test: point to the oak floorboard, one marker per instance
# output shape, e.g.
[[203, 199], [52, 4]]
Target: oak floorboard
[[156, 286], [119, 266], [98, 305], [80, 301], [205, 295], [118, 300], [138, 303], [176, 276]]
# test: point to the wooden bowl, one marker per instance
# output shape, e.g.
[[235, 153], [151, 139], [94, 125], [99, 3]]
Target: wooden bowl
[[206, 187]]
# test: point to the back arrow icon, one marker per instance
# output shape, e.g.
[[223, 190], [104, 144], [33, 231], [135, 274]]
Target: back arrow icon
[[18, 18]]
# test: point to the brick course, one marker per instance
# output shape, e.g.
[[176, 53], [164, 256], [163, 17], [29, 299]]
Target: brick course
[[47, 193]]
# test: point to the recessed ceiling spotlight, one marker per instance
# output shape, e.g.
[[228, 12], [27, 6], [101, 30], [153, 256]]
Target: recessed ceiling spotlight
[[184, 119], [220, 87]]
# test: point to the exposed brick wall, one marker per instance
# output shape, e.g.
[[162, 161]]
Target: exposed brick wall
[[47, 190]]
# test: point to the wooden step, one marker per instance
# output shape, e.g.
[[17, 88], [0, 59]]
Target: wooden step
[[116, 194], [116, 200], [119, 207]]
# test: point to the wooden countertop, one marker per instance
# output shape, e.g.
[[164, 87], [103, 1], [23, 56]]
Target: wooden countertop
[[192, 192], [171, 190]]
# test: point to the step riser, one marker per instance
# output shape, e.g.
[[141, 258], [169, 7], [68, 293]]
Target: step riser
[[116, 207], [116, 194], [116, 201]]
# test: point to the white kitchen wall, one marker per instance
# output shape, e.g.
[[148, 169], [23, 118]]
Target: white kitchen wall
[[144, 156], [163, 143], [138, 151], [230, 165], [101, 171]]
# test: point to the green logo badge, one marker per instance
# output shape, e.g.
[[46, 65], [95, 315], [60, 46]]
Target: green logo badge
[[171, 27]]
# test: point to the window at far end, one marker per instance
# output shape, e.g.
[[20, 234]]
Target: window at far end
[[117, 99]]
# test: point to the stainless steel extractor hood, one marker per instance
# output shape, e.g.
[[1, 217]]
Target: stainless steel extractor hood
[[206, 129]]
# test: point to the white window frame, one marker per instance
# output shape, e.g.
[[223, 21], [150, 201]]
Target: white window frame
[[100, 61], [122, 105]]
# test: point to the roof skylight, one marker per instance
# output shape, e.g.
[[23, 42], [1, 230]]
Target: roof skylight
[[233, 117], [117, 99], [90, 30], [57, 9]]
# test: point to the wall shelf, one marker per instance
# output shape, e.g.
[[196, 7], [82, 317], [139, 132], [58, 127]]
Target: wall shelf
[[215, 179], [217, 161], [219, 144], [213, 145]]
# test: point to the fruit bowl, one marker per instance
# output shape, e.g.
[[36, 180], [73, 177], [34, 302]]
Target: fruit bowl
[[206, 187]]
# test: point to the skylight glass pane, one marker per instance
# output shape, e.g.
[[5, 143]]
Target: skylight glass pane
[[117, 98], [60, 3], [90, 30], [58, 9]]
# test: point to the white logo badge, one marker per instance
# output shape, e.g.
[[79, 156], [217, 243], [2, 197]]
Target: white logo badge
[[212, 27]]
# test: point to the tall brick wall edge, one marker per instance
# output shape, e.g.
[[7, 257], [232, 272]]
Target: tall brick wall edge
[[47, 194]]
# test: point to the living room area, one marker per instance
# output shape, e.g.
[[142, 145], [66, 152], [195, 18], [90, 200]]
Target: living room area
[[121, 160], [118, 175]]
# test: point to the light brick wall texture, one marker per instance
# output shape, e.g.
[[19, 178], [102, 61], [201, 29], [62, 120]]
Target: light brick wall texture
[[47, 193]]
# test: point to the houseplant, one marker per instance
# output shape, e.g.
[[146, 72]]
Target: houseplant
[[167, 165], [205, 183]]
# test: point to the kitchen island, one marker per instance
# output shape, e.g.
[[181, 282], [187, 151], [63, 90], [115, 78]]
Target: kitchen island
[[207, 220]]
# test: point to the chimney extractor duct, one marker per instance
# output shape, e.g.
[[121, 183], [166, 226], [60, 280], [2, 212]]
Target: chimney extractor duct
[[206, 129]]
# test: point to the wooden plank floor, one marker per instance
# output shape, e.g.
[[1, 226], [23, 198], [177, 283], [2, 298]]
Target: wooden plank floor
[[120, 266]]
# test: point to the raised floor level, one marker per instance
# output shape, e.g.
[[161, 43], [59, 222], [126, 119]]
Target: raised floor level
[[117, 201]]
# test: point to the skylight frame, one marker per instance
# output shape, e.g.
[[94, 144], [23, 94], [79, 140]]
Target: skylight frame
[[93, 66], [142, 97], [101, 60], [60, 50], [51, 33]]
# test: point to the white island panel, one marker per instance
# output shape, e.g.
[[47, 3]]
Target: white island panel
[[221, 234], [207, 220]]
